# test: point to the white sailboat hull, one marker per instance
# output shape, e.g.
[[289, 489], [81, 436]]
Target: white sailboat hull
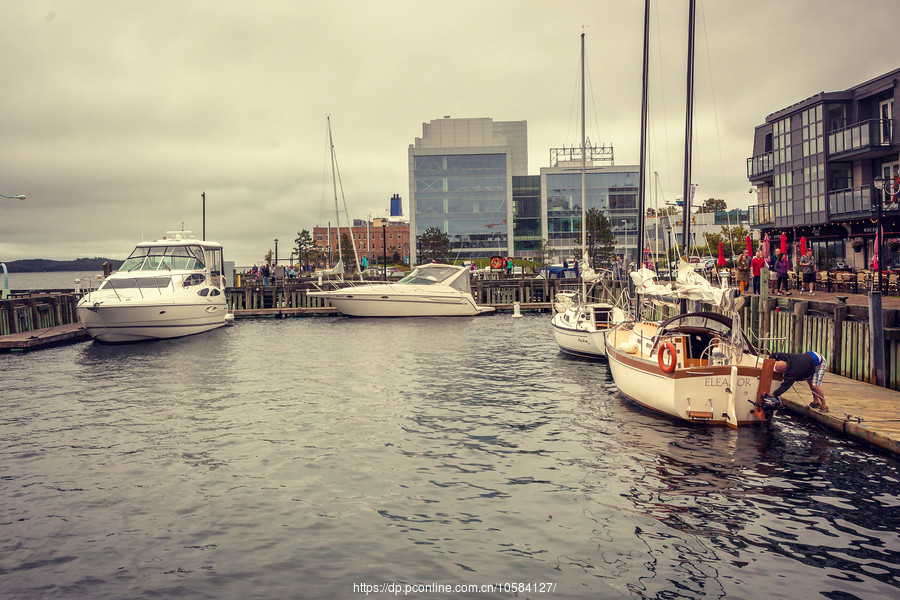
[[697, 390], [583, 343]]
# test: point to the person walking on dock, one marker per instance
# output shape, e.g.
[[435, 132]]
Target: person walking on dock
[[743, 271], [756, 267], [808, 268], [782, 266], [809, 367]]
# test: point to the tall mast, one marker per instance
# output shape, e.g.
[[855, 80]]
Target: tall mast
[[688, 132], [642, 196], [337, 213], [583, 179]]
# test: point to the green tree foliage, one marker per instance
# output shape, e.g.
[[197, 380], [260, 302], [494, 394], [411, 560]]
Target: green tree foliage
[[434, 245], [347, 253], [712, 205], [544, 252], [303, 245], [601, 242]]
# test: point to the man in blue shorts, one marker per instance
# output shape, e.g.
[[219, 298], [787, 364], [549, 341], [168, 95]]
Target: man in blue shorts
[[809, 367]]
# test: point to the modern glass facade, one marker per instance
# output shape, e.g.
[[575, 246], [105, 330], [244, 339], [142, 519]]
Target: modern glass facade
[[463, 195], [613, 190], [526, 214]]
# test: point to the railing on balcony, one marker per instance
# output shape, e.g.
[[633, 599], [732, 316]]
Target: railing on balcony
[[860, 136], [761, 214], [854, 201], [759, 165]]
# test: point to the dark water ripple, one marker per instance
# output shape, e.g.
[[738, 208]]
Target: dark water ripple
[[296, 458]]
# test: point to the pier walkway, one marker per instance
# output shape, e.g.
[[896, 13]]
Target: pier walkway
[[35, 339]]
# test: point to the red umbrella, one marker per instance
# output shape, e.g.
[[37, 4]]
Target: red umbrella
[[721, 255], [765, 246], [749, 246], [784, 243], [802, 245]]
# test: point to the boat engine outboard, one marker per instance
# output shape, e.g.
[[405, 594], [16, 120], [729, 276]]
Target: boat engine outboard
[[770, 404]]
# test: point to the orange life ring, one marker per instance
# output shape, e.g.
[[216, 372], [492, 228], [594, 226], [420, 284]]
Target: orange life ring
[[496, 263], [670, 347]]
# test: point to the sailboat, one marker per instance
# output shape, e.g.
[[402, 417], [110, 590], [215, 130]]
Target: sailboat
[[579, 326], [337, 270], [697, 367]]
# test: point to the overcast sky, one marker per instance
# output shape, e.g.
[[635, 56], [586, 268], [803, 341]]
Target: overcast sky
[[116, 115]]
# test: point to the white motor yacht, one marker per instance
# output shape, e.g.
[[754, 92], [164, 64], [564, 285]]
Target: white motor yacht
[[168, 288], [430, 290]]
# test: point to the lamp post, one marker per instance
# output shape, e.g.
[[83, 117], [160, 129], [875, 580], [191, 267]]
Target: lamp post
[[276, 251], [384, 245]]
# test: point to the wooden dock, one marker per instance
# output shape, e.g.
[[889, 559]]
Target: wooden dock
[[36, 339], [859, 410]]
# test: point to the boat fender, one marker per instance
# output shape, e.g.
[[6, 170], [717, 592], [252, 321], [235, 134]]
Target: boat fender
[[629, 347], [669, 348]]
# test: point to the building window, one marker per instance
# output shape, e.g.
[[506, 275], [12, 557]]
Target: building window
[[782, 141]]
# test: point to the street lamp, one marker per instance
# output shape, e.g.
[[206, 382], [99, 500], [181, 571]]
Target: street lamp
[[19, 197], [892, 187], [276, 252]]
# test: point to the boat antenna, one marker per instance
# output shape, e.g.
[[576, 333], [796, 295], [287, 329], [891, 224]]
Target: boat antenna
[[688, 141]]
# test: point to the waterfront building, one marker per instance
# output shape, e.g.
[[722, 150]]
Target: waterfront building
[[461, 182], [371, 240], [814, 165], [613, 189]]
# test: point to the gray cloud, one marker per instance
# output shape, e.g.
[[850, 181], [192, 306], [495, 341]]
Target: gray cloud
[[115, 116]]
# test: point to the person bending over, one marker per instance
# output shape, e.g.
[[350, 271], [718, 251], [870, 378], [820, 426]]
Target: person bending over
[[809, 367]]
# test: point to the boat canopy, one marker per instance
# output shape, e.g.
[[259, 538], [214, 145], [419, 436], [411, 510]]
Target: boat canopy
[[430, 274], [716, 323]]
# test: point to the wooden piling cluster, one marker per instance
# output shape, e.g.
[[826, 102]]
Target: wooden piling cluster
[[37, 311]]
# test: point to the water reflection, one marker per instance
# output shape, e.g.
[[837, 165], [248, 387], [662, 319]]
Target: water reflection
[[315, 453]]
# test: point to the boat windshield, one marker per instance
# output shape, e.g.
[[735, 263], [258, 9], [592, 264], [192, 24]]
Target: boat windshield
[[153, 258], [429, 274], [143, 283]]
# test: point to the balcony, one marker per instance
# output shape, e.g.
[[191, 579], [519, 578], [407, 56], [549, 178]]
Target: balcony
[[761, 214], [862, 137], [759, 167], [850, 202]]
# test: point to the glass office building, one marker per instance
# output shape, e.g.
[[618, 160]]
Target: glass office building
[[613, 190], [461, 174]]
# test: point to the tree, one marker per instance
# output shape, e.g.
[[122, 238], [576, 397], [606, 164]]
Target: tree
[[544, 252], [347, 252], [434, 245], [270, 256], [712, 205], [304, 243], [601, 242]]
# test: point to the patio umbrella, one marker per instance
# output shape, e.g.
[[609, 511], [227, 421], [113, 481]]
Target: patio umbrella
[[803, 245], [765, 246], [877, 245], [749, 246], [721, 261], [784, 243]]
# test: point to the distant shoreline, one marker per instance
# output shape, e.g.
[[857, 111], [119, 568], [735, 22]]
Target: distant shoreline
[[42, 265]]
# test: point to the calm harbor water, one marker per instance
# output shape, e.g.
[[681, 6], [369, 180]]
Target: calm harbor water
[[307, 458], [49, 280]]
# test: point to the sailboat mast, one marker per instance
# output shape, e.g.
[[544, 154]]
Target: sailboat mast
[[688, 133], [583, 179], [642, 195], [337, 213]]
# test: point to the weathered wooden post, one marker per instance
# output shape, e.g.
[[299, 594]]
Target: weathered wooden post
[[800, 309], [837, 354], [876, 337]]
